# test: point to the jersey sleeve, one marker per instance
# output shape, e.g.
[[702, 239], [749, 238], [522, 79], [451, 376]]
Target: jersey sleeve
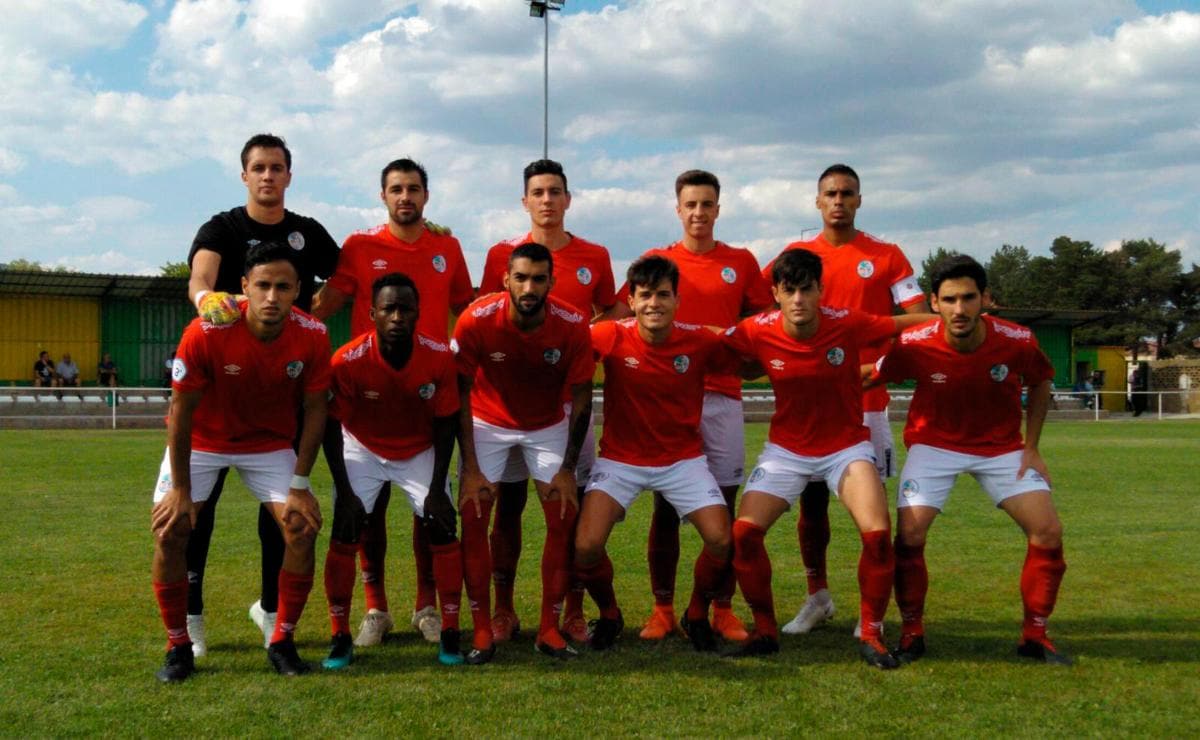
[[493, 271], [604, 339], [722, 359], [605, 295], [1036, 368], [758, 294], [465, 346], [190, 370], [318, 378], [905, 289], [445, 399], [326, 251], [893, 367], [341, 388], [738, 340], [213, 235], [873, 328], [343, 279], [461, 290], [583, 363]]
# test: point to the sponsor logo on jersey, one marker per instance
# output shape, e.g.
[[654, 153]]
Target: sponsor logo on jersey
[[766, 319], [294, 368], [296, 240], [999, 372], [777, 364], [488, 309], [439, 263], [865, 269], [426, 391], [631, 362], [371, 395], [569, 316], [380, 264], [909, 488], [681, 363], [584, 276], [232, 369], [361, 350], [1013, 332], [435, 346], [835, 313], [497, 356], [729, 275], [308, 322], [178, 370], [552, 356], [686, 327], [920, 335], [938, 377], [836, 356]]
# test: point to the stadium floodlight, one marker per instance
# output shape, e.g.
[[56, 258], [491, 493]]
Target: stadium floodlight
[[541, 9]]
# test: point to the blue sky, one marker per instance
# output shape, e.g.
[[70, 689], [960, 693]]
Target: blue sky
[[972, 123]]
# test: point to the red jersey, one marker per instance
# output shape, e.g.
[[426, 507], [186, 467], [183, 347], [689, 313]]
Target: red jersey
[[716, 289], [435, 263], [521, 377], [370, 396], [817, 381], [868, 275], [583, 275], [966, 402], [252, 389], [654, 393]]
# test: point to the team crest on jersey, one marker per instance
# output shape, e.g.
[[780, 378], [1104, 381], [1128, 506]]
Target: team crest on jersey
[[232, 369], [294, 368], [552, 356], [836, 356], [379, 264], [584, 276], [682, 363], [999, 372], [426, 391], [756, 475], [909, 488], [729, 275], [439, 263], [178, 370], [296, 240], [865, 269], [631, 362]]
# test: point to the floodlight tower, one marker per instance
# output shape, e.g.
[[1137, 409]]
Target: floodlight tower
[[541, 9]]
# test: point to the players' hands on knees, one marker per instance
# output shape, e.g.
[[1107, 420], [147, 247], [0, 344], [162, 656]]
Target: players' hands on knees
[[563, 487], [438, 229], [171, 511], [1031, 459], [473, 488], [302, 513], [439, 513], [218, 308]]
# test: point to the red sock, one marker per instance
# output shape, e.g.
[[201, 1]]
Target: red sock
[[912, 583], [293, 593], [423, 555], [555, 568], [506, 552], [372, 579], [598, 579], [662, 553], [573, 604], [813, 530], [448, 571], [876, 570], [1040, 579], [708, 577], [753, 569], [172, 605], [477, 569], [339, 584]]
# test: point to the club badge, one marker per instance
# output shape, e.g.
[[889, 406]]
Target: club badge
[[682, 363], [729, 275], [999, 372], [294, 368], [865, 269], [909, 488], [296, 240], [552, 356], [757, 474], [439, 263], [426, 391], [178, 370], [584, 276], [836, 356]]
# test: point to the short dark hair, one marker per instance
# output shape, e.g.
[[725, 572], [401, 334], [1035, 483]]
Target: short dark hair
[[404, 164], [544, 167], [266, 141], [697, 177], [958, 266], [270, 251], [533, 252], [796, 268], [839, 169], [650, 271], [394, 280]]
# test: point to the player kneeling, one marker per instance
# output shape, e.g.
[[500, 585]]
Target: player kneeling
[[237, 392], [810, 353], [654, 370], [395, 393], [965, 417]]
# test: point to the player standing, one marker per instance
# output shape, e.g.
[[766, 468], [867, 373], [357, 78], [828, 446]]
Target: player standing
[[863, 273], [967, 360], [216, 259], [434, 261], [585, 282], [393, 373], [718, 285], [810, 353], [238, 389], [518, 353]]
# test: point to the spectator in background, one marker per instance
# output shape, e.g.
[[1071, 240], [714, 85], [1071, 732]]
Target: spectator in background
[[68, 373], [106, 371], [44, 375]]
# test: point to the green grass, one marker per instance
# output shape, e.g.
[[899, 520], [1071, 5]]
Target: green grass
[[80, 636]]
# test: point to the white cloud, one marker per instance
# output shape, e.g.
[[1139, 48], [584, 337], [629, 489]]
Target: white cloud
[[67, 27]]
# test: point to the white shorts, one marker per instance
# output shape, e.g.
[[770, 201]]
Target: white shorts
[[882, 441], [514, 467], [929, 474], [368, 472], [267, 474], [687, 485], [723, 430], [784, 474], [541, 449]]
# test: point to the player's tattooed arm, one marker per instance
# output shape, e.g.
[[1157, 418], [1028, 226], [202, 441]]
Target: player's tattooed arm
[[472, 486], [1035, 418], [177, 504]]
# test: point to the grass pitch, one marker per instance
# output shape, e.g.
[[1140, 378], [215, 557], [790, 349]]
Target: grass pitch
[[80, 636]]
